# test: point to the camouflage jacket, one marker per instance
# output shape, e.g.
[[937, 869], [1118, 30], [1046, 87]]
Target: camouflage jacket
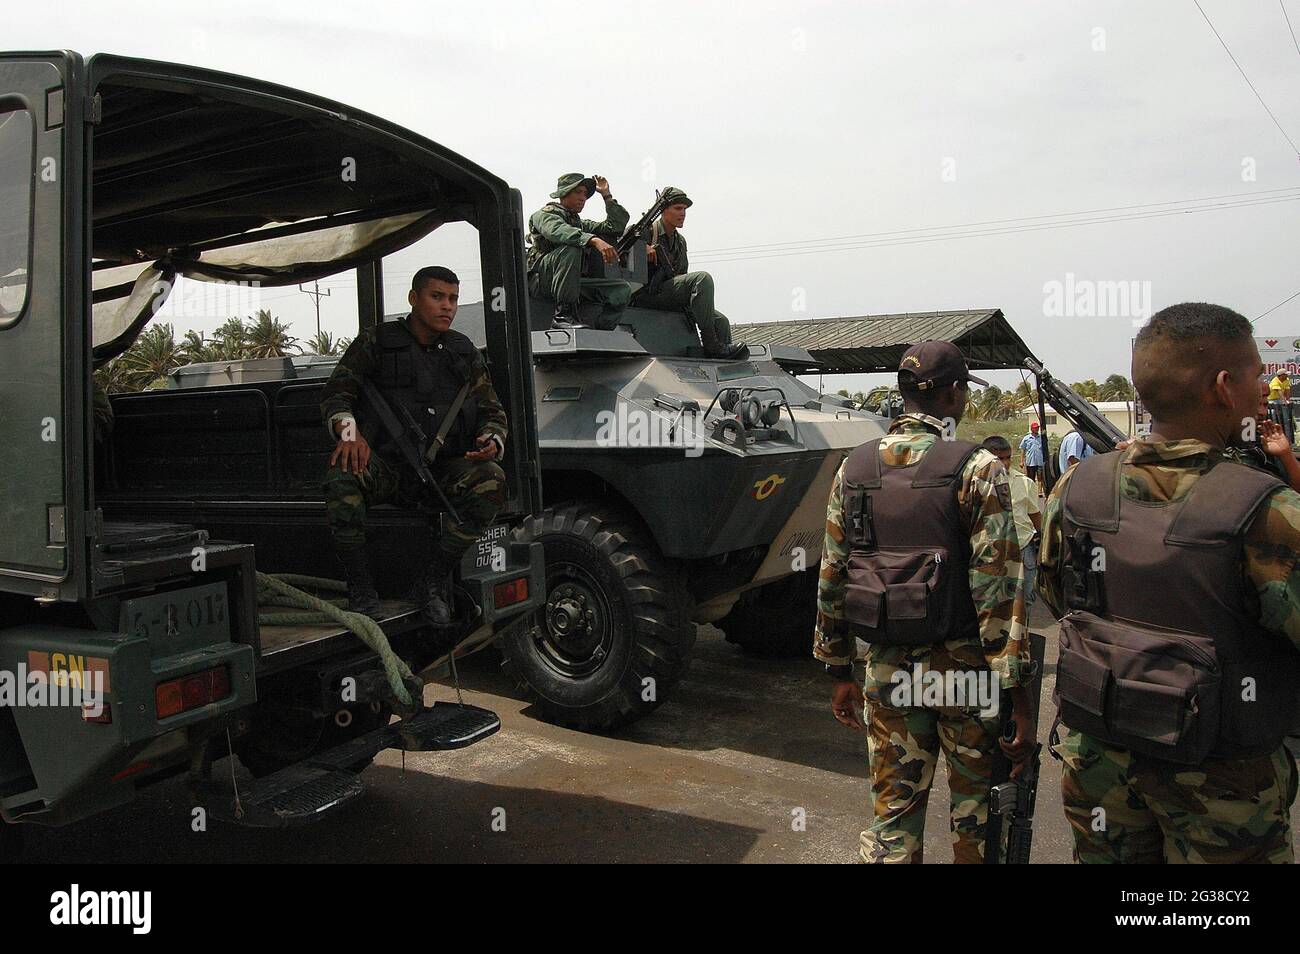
[[670, 250], [1159, 472], [997, 576], [553, 225], [361, 360]]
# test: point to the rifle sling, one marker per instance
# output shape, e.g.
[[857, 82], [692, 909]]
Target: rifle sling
[[445, 427]]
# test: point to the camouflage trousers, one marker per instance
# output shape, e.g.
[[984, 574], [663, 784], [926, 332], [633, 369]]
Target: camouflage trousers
[[475, 488], [903, 747], [557, 275], [1129, 810], [693, 294]]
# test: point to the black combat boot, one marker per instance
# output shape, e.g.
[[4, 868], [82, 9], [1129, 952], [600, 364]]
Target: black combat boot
[[728, 352], [433, 592], [566, 316], [362, 596]]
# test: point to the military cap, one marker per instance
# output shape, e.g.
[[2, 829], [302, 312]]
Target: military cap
[[936, 364], [570, 181], [675, 196]]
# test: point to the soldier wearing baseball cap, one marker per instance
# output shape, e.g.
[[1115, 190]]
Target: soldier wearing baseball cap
[[907, 496], [558, 239], [934, 364], [673, 287]]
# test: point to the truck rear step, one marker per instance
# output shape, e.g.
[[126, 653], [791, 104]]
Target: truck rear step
[[305, 791]]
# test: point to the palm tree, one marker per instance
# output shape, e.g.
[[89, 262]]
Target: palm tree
[[990, 403], [153, 356], [1089, 390], [196, 349], [1116, 388], [325, 343], [114, 376], [231, 340], [268, 337]]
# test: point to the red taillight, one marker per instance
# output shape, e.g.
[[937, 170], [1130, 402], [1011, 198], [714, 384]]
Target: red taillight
[[192, 691], [507, 594]]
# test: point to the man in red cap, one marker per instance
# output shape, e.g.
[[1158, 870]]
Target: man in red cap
[[1031, 452], [922, 561]]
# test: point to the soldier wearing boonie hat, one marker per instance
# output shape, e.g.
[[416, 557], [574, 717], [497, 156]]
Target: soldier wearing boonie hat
[[673, 288], [559, 238]]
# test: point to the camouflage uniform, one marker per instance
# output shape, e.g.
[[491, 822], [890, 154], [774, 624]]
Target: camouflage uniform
[[475, 488], [1226, 811], [904, 742], [558, 248], [682, 290]]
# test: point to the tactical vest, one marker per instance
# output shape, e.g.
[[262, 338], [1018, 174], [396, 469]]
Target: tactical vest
[[909, 558], [539, 245], [1158, 654], [425, 382]]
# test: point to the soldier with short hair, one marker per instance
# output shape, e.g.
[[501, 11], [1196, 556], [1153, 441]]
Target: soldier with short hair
[[558, 240], [917, 508], [673, 287], [420, 364], [1175, 571]]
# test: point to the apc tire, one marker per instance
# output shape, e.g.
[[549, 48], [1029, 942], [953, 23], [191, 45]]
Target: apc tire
[[776, 620], [617, 614]]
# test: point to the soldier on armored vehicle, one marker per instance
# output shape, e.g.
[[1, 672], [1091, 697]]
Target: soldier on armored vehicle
[[422, 366], [673, 288], [559, 240]]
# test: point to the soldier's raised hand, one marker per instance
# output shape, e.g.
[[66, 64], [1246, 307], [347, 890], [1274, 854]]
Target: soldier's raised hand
[[352, 452], [602, 186], [607, 251]]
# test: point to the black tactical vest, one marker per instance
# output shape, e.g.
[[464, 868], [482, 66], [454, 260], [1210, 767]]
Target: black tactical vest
[[425, 381], [909, 559], [1158, 654]]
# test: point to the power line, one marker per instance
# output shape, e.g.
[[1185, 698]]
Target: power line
[[1258, 193], [1275, 307], [1288, 25], [954, 235], [1247, 78]]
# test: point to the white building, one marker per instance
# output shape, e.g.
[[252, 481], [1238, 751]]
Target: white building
[[1119, 413]]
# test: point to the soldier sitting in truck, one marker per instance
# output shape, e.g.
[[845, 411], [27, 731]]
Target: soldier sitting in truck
[[559, 239], [673, 288], [423, 367]]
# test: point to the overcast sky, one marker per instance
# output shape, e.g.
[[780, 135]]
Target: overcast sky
[[790, 121]]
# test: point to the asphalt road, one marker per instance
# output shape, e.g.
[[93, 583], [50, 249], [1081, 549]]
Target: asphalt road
[[722, 772]]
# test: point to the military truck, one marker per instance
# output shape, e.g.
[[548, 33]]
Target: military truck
[[134, 564]]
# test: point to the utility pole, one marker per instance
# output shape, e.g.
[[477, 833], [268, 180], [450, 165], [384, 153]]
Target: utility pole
[[317, 295]]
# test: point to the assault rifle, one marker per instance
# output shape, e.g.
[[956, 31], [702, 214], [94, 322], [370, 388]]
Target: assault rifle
[[637, 229], [409, 439], [1010, 830], [1098, 432]]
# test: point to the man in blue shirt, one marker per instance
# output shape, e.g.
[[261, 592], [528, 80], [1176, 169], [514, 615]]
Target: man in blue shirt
[[1073, 450], [1031, 452]]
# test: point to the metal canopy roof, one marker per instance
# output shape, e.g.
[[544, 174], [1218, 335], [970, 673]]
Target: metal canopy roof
[[875, 343]]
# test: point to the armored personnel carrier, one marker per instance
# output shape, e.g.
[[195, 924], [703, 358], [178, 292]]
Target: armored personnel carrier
[[677, 490]]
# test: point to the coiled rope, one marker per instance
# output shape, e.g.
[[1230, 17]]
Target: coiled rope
[[277, 592]]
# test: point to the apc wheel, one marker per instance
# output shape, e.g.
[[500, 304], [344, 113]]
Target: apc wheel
[[615, 633], [775, 620]]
